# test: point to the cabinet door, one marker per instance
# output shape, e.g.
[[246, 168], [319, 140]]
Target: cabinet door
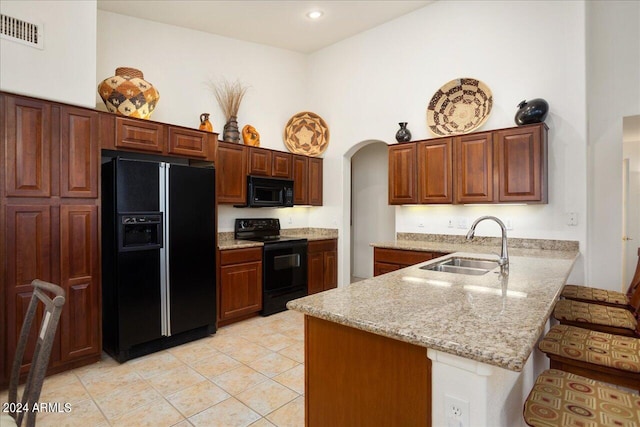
[[402, 174], [281, 165], [315, 181], [330, 275], [240, 289], [380, 268], [522, 164], [435, 175], [28, 252], [28, 148], [259, 161], [231, 173], [80, 320], [315, 272], [79, 153], [474, 167], [139, 135], [300, 180], [187, 142]]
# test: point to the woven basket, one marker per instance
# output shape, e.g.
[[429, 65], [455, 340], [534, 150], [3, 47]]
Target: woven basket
[[128, 94]]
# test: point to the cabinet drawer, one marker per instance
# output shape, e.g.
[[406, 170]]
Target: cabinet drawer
[[401, 257], [380, 268], [322, 245], [237, 256], [139, 135]]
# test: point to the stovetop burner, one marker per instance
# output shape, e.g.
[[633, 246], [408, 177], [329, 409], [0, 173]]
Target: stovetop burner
[[265, 230]]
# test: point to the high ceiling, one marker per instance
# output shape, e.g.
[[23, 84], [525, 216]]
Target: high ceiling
[[282, 24]]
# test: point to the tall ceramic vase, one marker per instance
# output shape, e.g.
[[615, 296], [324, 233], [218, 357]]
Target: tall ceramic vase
[[231, 132]]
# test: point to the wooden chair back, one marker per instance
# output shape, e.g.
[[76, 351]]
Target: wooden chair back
[[52, 307]]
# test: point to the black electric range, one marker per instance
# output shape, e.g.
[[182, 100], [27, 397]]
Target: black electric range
[[284, 262]]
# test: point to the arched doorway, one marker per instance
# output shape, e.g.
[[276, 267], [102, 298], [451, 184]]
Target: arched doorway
[[371, 218]]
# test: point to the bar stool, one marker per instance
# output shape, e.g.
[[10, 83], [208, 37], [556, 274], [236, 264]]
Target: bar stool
[[603, 296], [604, 357], [561, 399], [598, 317]]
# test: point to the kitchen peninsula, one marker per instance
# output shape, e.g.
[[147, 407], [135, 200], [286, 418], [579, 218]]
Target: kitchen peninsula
[[429, 340]]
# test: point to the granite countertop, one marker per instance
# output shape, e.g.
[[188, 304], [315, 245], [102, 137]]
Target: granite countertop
[[226, 240], [492, 318]]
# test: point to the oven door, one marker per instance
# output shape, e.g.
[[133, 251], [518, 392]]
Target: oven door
[[284, 267]]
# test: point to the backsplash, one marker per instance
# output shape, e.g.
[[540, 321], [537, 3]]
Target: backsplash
[[515, 242]]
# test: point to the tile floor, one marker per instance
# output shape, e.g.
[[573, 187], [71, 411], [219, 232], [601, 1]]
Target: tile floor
[[248, 374]]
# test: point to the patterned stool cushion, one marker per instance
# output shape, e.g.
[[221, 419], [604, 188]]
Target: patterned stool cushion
[[577, 311], [585, 293], [559, 398], [599, 348]]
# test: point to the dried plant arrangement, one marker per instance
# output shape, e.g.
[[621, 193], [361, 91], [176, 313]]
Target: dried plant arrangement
[[229, 96]]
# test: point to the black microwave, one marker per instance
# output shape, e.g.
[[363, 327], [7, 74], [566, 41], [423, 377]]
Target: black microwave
[[269, 192]]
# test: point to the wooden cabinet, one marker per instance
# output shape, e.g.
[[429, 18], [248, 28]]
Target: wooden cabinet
[[231, 173], [522, 164], [49, 219], [300, 179], [145, 136], [402, 174], [435, 174], [315, 181], [474, 168], [281, 166], [259, 161], [322, 265], [500, 166], [388, 260], [307, 180], [240, 284]]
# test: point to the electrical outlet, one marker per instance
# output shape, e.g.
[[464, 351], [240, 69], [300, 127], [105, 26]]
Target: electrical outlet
[[463, 223], [450, 223], [421, 222], [508, 223], [456, 411], [290, 220], [572, 218]]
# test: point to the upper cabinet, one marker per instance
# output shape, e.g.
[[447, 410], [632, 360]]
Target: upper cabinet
[[231, 173], [402, 174], [501, 166], [271, 163], [144, 136]]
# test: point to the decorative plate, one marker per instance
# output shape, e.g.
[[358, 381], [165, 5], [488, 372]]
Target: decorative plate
[[460, 106], [306, 133]]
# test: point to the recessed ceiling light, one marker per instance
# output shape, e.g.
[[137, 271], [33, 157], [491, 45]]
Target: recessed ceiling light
[[315, 14]]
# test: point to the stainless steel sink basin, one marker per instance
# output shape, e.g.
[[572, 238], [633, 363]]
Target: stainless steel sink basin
[[473, 267]]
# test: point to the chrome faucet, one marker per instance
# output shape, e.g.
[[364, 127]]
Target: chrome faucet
[[504, 256]]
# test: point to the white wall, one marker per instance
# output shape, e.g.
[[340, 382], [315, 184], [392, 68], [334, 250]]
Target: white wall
[[365, 85], [613, 92], [373, 220], [65, 69], [179, 62]]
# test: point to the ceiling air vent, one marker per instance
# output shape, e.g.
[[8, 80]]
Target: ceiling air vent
[[21, 31]]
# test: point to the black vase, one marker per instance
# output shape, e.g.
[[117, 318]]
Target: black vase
[[533, 111], [230, 132], [403, 134]]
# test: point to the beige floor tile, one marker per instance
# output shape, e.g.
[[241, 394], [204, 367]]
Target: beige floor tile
[[248, 352], [184, 423], [295, 332], [290, 415], [293, 378], [63, 388], [156, 414], [225, 343], [275, 342], [266, 397], [194, 351], [263, 422], [295, 352], [124, 399], [105, 381], [272, 364], [155, 364], [215, 365], [239, 379], [175, 379], [84, 413], [229, 413], [197, 398]]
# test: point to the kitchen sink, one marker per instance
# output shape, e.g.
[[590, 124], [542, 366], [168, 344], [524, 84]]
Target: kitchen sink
[[473, 267]]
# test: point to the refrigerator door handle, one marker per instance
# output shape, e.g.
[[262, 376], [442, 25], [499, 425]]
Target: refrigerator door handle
[[165, 318]]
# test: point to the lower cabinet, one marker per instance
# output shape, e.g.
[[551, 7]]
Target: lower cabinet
[[240, 284], [388, 260], [322, 265]]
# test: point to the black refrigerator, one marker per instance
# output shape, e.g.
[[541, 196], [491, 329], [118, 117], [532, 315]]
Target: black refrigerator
[[158, 253]]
